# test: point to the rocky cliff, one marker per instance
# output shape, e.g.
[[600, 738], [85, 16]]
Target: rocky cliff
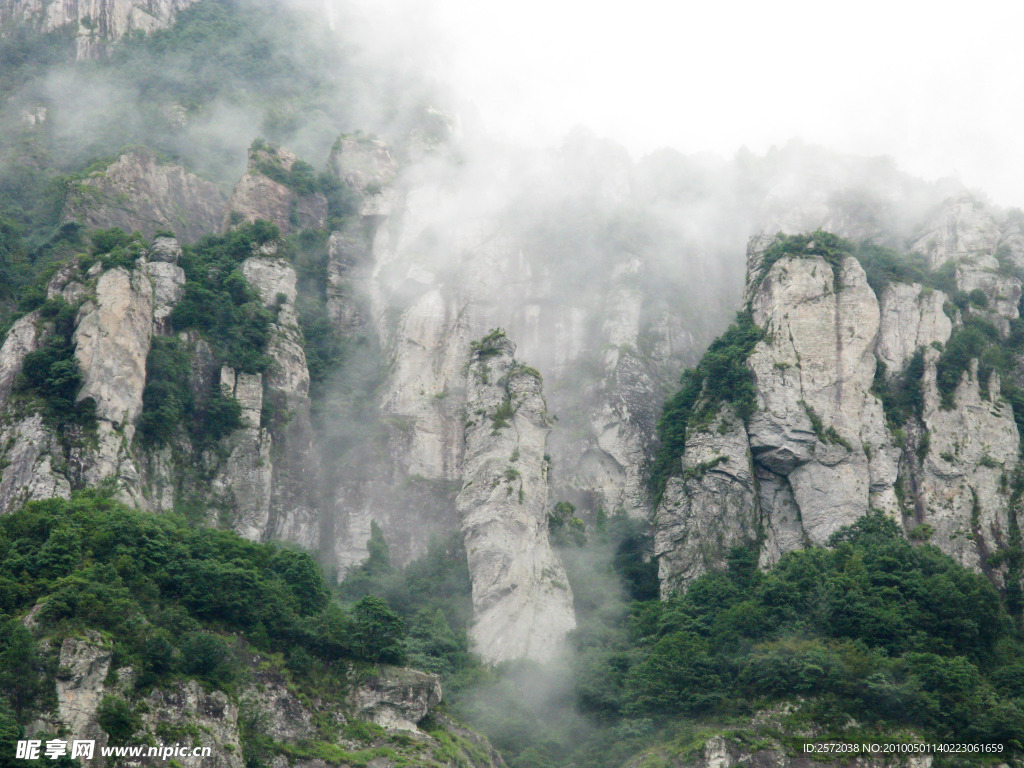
[[862, 398], [139, 192], [192, 715], [94, 23], [522, 602], [261, 479]]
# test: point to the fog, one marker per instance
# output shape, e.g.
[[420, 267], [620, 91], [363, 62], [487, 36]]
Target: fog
[[592, 189], [932, 88]]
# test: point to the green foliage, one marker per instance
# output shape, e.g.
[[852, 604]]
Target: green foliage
[[889, 631], [116, 248], [118, 719], [970, 341], [564, 528], [902, 397], [488, 346], [168, 404], [884, 265], [377, 632], [167, 398], [21, 668], [431, 595], [300, 178], [721, 377], [831, 248], [167, 592], [52, 372], [218, 301]]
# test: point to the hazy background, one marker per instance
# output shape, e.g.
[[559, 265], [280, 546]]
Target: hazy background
[[936, 88]]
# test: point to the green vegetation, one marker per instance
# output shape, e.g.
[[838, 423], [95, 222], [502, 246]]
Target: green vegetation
[[173, 599], [488, 346], [431, 595], [52, 373], [168, 404], [871, 628], [863, 640], [831, 248], [564, 528], [721, 377], [902, 397], [218, 301]]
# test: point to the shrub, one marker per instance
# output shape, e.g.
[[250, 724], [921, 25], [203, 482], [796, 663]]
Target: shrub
[[218, 302], [118, 719], [721, 377]]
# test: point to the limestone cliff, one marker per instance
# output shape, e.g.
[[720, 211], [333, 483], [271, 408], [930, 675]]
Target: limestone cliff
[[262, 479], [819, 448], [522, 602], [139, 192], [95, 23], [271, 191]]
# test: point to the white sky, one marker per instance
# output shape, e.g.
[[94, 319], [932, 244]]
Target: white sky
[[938, 86]]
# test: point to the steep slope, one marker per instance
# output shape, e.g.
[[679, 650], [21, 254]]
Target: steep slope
[[93, 24], [522, 601], [167, 653], [862, 394], [138, 192]]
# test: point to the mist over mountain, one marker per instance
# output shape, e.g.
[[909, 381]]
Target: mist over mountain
[[338, 428]]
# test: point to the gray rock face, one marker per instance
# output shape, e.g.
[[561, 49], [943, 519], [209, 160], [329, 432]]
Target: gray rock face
[[396, 699], [367, 167], [138, 192], [34, 464], [963, 230], [911, 317], [112, 340], [713, 502], [294, 501], [21, 340], [962, 494], [522, 603], [168, 281], [81, 685], [245, 480], [821, 453], [265, 481], [96, 23], [259, 196], [813, 375], [210, 717]]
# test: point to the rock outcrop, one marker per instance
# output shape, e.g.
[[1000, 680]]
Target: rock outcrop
[[522, 602], [95, 24], [819, 450], [139, 192], [193, 715], [294, 501], [396, 698], [262, 480], [270, 191]]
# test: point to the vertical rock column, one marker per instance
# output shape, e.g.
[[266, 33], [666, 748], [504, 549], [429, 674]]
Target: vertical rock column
[[522, 603]]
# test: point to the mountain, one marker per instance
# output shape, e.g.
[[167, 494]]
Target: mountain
[[414, 396]]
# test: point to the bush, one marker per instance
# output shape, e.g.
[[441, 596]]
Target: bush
[[52, 373], [165, 591], [721, 377], [118, 719], [378, 633], [219, 303]]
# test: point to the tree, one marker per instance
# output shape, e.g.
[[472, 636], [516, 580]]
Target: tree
[[378, 632]]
